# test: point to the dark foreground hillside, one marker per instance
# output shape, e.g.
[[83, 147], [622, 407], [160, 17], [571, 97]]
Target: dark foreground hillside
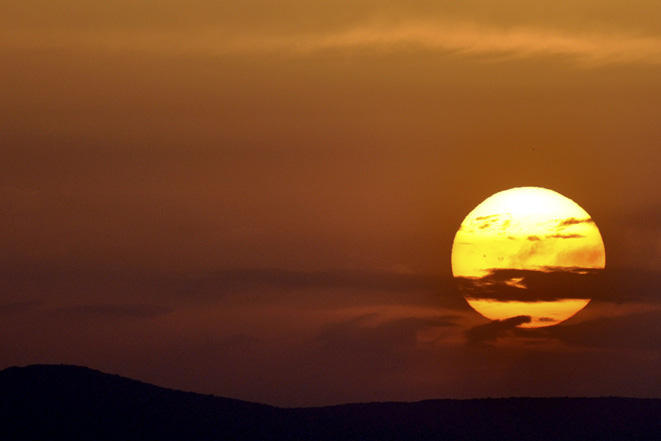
[[69, 403]]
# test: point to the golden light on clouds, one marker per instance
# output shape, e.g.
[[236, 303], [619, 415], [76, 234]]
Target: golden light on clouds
[[526, 252]]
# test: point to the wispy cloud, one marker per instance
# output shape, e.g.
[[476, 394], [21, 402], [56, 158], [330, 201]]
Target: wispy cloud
[[476, 39], [447, 37]]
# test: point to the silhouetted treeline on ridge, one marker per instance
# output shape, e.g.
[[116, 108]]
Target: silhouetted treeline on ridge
[[58, 402]]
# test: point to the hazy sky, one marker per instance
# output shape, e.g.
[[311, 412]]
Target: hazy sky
[[258, 199]]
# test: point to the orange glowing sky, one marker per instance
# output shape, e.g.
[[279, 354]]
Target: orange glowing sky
[[259, 199]]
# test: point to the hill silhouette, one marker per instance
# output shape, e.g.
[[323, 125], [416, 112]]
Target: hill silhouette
[[58, 402]]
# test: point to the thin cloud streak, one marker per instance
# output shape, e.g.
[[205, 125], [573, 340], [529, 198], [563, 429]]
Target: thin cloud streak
[[459, 38], [480, 40]]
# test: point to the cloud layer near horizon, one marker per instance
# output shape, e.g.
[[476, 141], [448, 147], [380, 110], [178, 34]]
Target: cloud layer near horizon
[[329, 337]]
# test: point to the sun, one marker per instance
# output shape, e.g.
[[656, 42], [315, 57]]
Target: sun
[[527, 251]]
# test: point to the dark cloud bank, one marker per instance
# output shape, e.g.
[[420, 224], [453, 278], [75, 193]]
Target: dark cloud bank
[[140, 323]]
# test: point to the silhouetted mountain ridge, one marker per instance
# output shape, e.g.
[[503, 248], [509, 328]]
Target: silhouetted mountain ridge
[[59, 402]]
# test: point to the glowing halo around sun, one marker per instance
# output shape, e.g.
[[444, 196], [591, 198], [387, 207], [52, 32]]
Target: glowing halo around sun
[[527, 251]]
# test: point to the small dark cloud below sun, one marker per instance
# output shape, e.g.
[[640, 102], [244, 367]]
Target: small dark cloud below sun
[[494, 329]]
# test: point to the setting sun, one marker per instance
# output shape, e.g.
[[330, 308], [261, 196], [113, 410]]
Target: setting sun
[[521, 253]]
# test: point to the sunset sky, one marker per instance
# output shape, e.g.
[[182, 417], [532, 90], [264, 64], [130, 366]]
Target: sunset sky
[[258, 199]]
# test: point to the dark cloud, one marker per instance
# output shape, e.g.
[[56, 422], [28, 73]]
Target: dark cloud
[[375, 286], [494, 330], [533, 238], [540, 285], [362, 332], [566, 236], [368, 349], [327, 289], [639, 331], [361, 280], [620, 286], [573, 221], [257, 284]]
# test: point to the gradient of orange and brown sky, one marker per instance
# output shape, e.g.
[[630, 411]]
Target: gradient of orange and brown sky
[[257, 199]]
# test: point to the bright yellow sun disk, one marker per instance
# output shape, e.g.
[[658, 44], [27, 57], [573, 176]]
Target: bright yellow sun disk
[[526, 228]]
